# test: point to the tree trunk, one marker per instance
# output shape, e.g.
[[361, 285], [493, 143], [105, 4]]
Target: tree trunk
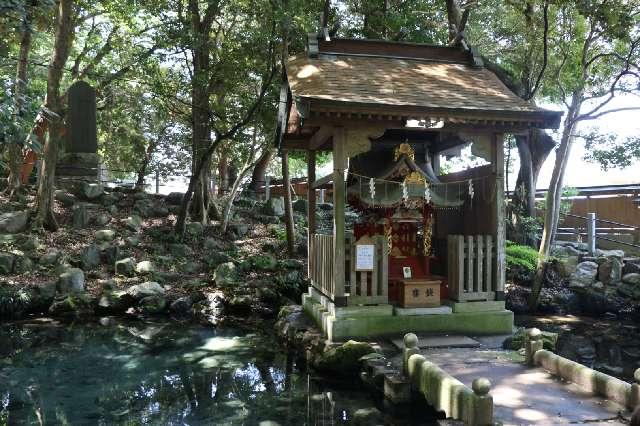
[[200, 107], [15, 156], [53, 104], [454, 16], [142, 170], [260, 170], [288, 208], [223, 173], [554, 195]]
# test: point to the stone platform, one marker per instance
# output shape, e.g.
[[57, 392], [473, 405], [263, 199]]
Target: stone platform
[[343, 323]]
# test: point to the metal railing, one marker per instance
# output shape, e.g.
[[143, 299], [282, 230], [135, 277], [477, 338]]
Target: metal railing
[[592, 232]]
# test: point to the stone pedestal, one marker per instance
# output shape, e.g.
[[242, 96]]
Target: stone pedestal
[[77, 167]]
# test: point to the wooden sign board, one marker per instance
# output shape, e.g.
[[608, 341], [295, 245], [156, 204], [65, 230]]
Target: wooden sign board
[[365, 254]]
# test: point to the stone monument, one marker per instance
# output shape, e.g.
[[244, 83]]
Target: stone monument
[[79, 161]]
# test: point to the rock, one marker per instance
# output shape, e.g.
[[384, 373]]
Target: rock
[[72, 305], [105, 235], [568, 265], [153, 304], [240, 304], [103, 219], [29, 243], [7, 262], [181, 306], [619, 254], [263, 262], [174, 198], [274, 207], [13, 222], [300, 205], [191, 267], [344, 359], [214, 259], [631, 265], [66, 198], [113, 210], [595, 301], [212, 244], [80, 216], [368, 416], [42, 296], [109, 254], [50, 257], [194, 228], [91, 257], [145, 267], [633, 279], [225, 274], [125, 266], [108, 200], [240, 230], [71, 281], [292, 264], [133, 241], [610, 271], [180, 250], [91, 191], [133, 223], [147, 208], [149, 288], [23, 264], [516, 341], [115, 302], [584, 276], [160, 211]]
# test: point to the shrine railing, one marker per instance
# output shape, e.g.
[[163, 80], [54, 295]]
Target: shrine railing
[[361, 287], [471, 267], [367, 287], [321, 263]]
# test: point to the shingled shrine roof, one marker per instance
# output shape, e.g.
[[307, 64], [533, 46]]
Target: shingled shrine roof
[[405, 80]]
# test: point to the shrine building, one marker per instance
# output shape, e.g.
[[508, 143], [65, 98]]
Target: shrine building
[[427, 251]]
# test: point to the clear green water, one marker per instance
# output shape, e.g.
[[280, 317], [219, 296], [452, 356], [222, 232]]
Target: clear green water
[[137, 373]]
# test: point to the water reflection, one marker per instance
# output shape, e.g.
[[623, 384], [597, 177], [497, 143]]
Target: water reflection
[[161, 374]]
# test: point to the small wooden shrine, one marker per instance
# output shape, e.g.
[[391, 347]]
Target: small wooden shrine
[[427, 251]]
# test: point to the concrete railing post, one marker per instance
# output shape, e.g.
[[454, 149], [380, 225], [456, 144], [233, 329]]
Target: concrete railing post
[[591, 233], [634, 397], [532, 344], [410, 348], [483, 406]]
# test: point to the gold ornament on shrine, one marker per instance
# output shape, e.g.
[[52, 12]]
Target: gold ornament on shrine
[[428, 234], [415, 178], [404, 148]]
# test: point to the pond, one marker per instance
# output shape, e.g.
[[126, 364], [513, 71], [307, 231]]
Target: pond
[[164, 373]]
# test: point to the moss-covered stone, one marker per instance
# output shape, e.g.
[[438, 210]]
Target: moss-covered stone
[[516, 341], [344, 359]]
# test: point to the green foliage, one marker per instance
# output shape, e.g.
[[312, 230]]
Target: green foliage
[[521, 256], [13, 302], [609, 151]]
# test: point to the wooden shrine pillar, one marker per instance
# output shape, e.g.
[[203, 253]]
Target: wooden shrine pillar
[[339, 199], [311, 193], [499, 213]]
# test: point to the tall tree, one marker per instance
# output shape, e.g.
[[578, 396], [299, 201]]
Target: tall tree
[[15, 147], [599, 48], [53, 109]]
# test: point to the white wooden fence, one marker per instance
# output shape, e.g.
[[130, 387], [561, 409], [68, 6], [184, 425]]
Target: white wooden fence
[[471, 267], [361, 287]]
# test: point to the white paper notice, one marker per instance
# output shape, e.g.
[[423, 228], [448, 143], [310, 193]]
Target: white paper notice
[[364, 257]]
